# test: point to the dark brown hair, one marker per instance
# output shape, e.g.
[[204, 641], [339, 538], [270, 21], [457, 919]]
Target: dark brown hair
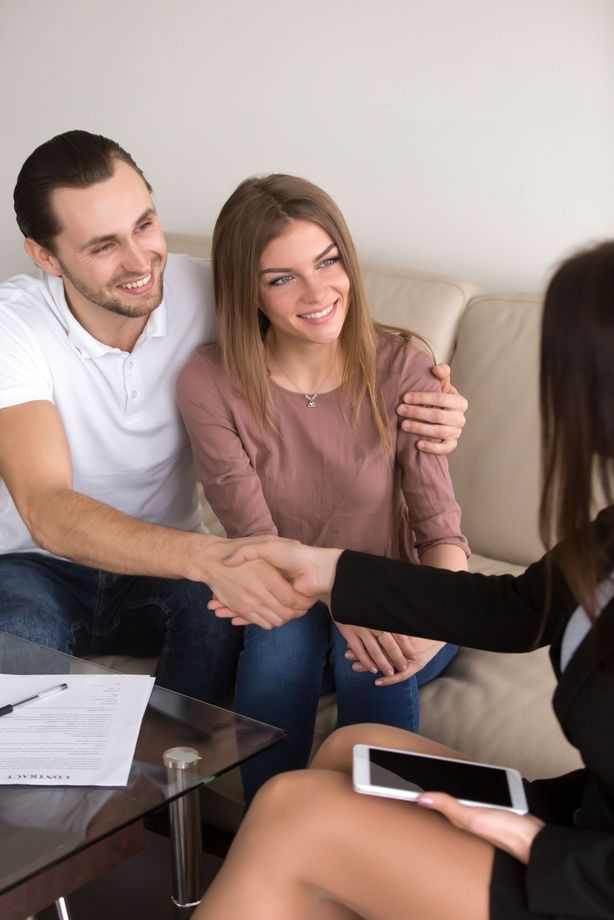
[[75, 159], [577, 412]]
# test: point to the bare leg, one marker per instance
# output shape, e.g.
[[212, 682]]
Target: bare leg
[[309, 840], [335, 753], [329, 910]]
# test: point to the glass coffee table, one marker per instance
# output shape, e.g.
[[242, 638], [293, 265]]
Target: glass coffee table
[[53, 840]]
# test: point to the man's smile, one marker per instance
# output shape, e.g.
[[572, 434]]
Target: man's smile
[[140, 286]]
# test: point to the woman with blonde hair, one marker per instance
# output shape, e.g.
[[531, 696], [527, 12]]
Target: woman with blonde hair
[[292, 419]]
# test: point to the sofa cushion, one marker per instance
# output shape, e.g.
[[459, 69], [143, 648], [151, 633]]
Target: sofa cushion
[[429, 304], [192, 244], [495, 469]]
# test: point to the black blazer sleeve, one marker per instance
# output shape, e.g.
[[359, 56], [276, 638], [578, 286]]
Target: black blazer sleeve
[[499, 613]]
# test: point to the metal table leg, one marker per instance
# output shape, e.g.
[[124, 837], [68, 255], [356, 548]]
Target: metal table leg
[[186, 842], [61, 908]]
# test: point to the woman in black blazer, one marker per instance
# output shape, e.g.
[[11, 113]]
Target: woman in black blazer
[[311, 848]]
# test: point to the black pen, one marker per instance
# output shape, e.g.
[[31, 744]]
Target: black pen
[[4, 710]]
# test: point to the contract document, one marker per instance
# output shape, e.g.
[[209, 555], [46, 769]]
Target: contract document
[[82, 736]]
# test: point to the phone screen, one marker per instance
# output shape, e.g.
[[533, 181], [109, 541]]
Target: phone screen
[[414, 773]]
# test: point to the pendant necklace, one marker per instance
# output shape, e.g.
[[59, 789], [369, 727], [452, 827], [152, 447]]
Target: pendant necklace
[[310, 397]]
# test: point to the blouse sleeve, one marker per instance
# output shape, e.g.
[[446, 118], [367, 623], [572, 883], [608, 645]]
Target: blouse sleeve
[[434, 513], [229, 480]]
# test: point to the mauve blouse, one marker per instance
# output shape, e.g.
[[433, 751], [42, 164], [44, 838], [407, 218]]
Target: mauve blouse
[[320, 477]]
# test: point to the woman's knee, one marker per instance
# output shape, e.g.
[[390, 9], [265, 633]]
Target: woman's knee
[[336, 752], [280, 802]]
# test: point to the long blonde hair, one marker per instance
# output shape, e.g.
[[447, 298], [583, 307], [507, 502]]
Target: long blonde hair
[[257, 212]]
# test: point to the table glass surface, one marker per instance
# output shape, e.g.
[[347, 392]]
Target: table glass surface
[[42, 825]]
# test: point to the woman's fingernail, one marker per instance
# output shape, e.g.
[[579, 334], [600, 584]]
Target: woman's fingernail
[[425, 800]]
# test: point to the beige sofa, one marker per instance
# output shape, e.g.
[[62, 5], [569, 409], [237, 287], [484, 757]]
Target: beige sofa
[[494, 707]]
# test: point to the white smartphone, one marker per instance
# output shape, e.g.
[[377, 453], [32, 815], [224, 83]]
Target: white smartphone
[[405, 775]]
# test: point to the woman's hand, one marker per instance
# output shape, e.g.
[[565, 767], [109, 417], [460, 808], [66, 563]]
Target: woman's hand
[[437, 417], [256, 592], [374, 651], [416, 653], [504, 829], [311, 571]]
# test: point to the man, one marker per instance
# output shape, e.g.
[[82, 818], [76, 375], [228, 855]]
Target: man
[[101, 543]]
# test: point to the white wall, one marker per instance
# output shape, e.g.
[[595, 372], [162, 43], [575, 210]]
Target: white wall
[[473, 137]]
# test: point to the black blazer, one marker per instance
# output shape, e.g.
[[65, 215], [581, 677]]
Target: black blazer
[[571, 869]]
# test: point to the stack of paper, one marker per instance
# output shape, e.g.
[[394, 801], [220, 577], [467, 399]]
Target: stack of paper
[[82, 736]]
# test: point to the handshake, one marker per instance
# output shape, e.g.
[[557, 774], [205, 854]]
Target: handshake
[[268, 580]]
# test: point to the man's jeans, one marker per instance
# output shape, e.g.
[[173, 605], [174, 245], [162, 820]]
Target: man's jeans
[[282, 673], [85, 611]]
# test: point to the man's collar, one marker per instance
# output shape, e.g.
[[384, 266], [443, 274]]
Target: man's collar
[[83, 341]]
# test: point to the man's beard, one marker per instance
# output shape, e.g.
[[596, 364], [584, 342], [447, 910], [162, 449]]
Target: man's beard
[[115, 304]]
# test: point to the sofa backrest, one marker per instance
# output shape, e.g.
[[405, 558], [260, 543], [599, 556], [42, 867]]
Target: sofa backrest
[[426, 303], [495, 469]]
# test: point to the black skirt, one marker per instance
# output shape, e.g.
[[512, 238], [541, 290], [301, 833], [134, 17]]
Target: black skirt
[[554, 801]]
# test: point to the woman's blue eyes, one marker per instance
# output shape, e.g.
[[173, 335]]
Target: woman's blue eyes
[[284, 279]]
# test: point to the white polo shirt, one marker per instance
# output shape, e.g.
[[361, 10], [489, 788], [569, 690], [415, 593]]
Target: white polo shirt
[[128, 445]]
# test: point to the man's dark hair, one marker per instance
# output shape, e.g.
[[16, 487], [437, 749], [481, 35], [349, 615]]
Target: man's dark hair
[[75, 159]]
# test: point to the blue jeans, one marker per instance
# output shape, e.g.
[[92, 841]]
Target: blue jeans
[[85, 611], [281, 674]]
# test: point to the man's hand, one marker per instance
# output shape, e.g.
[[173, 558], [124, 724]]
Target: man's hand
[[440, 417], [252, 590], [310, 569], [416, 654], [504, 829]]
